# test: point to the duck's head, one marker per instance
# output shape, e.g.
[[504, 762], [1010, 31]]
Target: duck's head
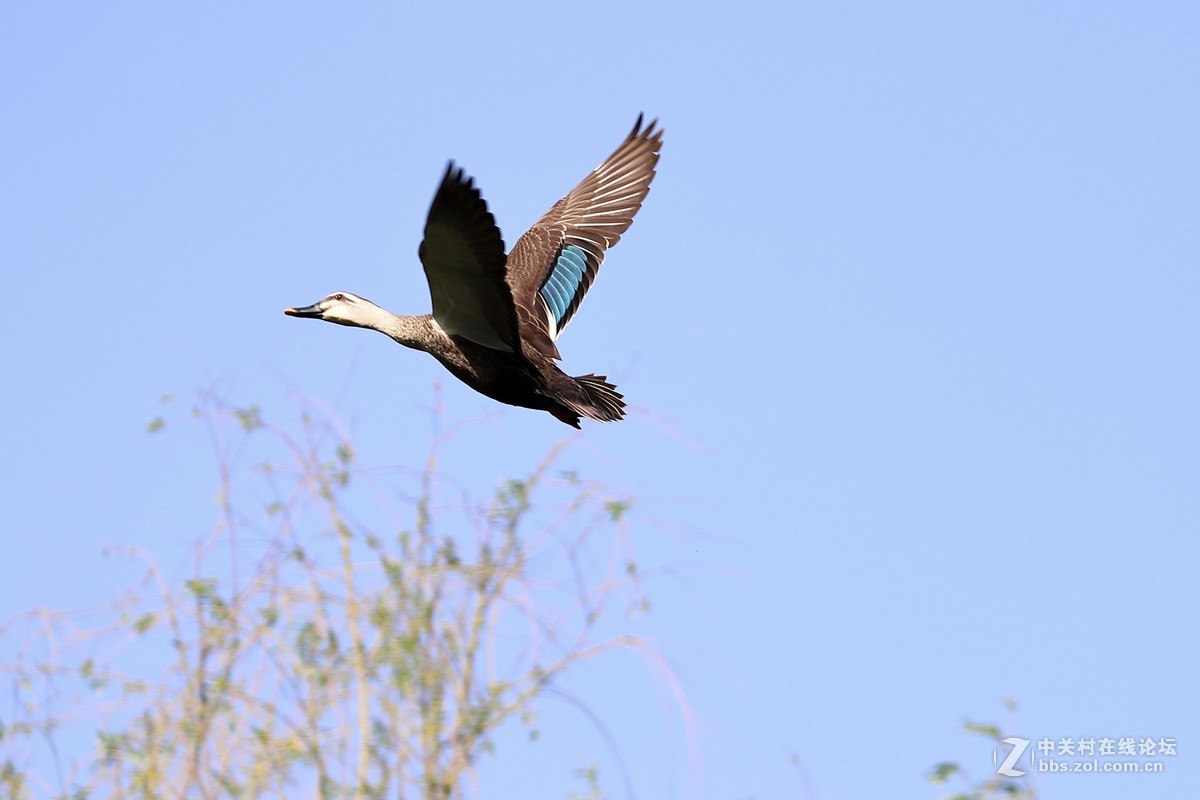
[[343, 308]]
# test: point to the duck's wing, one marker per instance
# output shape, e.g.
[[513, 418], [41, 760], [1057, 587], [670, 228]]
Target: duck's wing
[[463, 256], [553, 265]]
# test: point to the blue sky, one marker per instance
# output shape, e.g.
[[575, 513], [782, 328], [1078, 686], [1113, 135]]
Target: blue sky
[[908, 322]]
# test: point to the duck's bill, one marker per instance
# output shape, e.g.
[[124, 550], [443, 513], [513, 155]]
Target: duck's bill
[[307, 311]]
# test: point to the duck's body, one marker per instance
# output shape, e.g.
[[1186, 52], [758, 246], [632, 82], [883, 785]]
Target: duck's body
[[495, 317], [530, 379]]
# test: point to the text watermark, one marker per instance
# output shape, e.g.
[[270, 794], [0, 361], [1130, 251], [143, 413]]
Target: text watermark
[[1084, 754]]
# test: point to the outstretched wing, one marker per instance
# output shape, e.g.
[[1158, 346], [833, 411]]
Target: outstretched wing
[[464, 262], [553, 265]]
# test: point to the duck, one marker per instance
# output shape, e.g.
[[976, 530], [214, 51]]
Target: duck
[[496, 318]]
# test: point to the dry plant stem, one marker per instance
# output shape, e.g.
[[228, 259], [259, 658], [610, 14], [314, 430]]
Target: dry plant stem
[[357, 645]]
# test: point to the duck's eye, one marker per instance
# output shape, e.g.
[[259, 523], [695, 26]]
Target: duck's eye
[[339, 296]]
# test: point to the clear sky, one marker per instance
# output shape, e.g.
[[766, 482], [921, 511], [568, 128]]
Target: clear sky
[[908, 323]]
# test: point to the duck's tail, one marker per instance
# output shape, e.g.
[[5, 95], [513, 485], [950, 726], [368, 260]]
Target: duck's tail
[[597, 399], [607, 404]]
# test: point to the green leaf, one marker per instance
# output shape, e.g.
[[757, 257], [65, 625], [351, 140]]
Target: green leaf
[[982, 729], [249, 418], [616, 509], [942, 772]]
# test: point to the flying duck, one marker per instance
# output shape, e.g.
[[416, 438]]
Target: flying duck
[[496, 319]]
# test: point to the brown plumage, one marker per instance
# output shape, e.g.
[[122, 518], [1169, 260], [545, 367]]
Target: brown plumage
[[496, 319]]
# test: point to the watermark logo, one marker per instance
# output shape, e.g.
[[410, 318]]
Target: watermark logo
[[1008, 768]]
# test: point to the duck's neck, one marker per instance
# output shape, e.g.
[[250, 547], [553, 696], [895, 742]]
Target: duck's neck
[[419, 332]]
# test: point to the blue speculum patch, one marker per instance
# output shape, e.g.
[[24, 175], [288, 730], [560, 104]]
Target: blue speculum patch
[[563, 282]]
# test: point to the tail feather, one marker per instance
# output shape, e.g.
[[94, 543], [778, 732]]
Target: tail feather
[[604, 402]]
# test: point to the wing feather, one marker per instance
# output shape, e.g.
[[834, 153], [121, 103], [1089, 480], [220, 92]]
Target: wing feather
[[463, 256], [554, 264]]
